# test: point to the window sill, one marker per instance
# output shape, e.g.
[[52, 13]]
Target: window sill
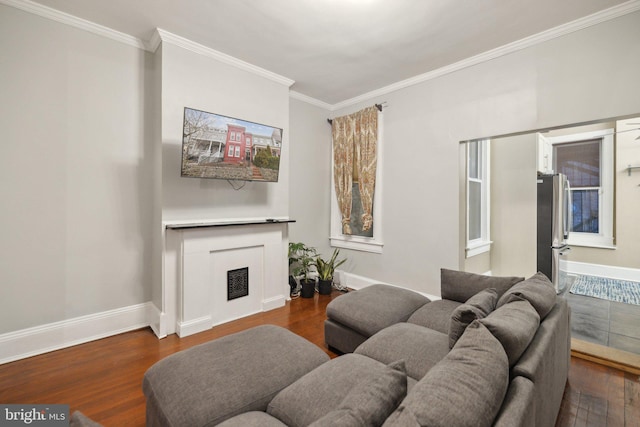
[[591, 245], [592, 241], [478, 248], [357, 244]]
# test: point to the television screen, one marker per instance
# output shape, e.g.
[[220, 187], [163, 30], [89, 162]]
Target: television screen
[[215, 146]]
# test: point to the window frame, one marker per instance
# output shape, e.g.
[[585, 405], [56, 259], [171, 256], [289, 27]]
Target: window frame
[[360, 243], [483, 243], [606, 200]]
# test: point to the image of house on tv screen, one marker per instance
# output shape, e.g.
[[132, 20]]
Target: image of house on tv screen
[[215, 146]]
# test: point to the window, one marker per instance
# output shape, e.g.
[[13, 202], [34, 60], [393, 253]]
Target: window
[[587, 161], [369, 240], [478, 240], [230, 150], [237, 151]]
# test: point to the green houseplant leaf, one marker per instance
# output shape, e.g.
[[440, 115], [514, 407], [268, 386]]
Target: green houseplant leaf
[[326, 268], [301, 259]]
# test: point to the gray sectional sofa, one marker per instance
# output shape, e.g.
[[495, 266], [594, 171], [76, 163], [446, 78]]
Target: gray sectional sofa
[[525, 317], [493, 351]]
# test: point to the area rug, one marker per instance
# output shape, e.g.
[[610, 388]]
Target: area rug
[[609, 289]]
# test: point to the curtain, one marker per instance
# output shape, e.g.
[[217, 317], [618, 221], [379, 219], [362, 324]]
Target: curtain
[[342, 131], [355, 140], [366, 143]]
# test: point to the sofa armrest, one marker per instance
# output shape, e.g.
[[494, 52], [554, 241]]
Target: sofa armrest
[[546, 362], [518, 407]]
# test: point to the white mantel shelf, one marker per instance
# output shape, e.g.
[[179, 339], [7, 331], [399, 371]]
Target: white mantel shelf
[[225, 223]]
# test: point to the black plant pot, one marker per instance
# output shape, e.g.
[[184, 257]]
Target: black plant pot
[[324, 287], [308, 288]]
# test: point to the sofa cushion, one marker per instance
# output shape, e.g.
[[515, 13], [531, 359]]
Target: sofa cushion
[[252, 419], [375, 307], [420, 348], [179, 387], [476, 307], [359, 387], [514, 325], [435, 315], [465, 389], [460, 285], [370, 402], [538, 290]]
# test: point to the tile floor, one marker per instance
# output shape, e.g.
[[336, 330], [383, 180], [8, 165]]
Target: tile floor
[[604, 322]]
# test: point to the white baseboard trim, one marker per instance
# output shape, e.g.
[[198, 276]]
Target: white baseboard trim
[[157, 321], [184, 329], [272, 303], [55, 336], [355, 281], [620, 273]]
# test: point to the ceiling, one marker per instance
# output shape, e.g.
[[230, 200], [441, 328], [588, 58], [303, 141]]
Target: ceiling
[[336, 50]]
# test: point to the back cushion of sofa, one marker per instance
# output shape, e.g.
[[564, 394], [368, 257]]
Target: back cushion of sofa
[[476, 307], [538, 290], [460, 285], [465, 389], [514, 325]]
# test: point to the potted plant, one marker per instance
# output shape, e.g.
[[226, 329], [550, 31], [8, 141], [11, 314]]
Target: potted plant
[[326, 269], [301, 259]]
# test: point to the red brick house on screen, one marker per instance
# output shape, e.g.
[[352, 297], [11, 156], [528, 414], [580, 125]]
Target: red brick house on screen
[[237, 144]]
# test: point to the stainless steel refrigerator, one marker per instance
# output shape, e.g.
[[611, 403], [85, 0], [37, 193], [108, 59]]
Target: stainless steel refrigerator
[[554, 224]]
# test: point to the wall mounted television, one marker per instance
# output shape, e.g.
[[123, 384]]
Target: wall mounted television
[[221, 147]]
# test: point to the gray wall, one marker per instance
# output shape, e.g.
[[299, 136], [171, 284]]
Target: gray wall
[[513, 206], [311, 169], [90, 166], [585, 75], [197, 81], [75, 168]]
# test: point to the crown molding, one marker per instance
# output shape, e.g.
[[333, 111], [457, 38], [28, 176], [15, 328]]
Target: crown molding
[[154, 42], [309, 100], [151, 45], [74, 21], [562, 30], [160, 36], [167, 37]]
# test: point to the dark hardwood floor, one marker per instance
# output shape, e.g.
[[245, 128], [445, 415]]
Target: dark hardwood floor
[[103, 378]]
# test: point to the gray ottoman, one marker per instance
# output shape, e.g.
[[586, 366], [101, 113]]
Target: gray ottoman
[[209, 383], [354, 317]]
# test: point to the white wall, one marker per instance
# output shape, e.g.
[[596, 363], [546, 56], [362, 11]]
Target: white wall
[[586, 75], [90, 168], [513, 203], [311, 169], [75, 170], [193, 80], [201, 81], [513, 206]]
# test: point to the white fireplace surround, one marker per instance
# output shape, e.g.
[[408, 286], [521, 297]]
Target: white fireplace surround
[[196, 261]]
